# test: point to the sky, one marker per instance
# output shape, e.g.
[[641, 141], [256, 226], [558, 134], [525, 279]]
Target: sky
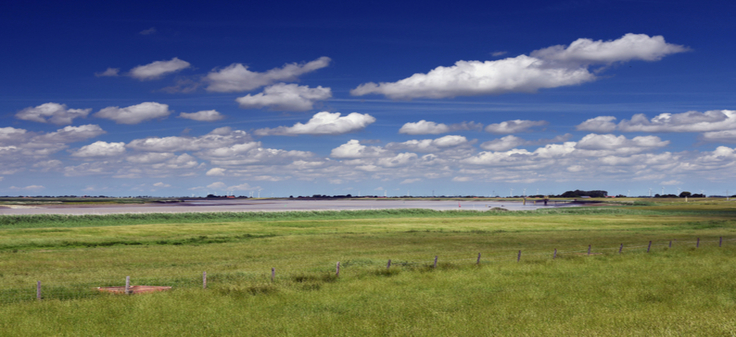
[[278, 99]]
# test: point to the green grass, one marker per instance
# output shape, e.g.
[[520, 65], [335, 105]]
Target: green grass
[[681, 290]]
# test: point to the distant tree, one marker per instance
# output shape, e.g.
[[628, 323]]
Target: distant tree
[[685, 194]]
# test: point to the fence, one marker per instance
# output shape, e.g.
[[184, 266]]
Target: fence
[[47, 289]]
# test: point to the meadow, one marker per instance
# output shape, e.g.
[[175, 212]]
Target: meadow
[[657, 290]]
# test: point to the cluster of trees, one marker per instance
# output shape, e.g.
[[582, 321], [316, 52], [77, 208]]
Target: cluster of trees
[[579, 193], [684, 194]]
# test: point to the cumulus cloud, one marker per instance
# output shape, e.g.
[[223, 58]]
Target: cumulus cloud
[[691, 121], [135, 114], [429, 145], [221, 137], [353, 149], [28, 188], [157, 69], [511, 141], [237, 77], [54, 113], [216, 171], [726, 136], [203, 116], [285, 97], [150, 157], [100, 149], [598, 124], [514, 126], [323, 123], [109, 72], [611, 144], [71, 134], [550, 67], [410, 181], [424, 127], [161, 185]]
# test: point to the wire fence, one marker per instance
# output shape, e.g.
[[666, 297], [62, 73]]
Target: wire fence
[[48, 289]]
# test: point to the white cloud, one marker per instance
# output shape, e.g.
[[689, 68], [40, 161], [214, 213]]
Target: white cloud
[[400, 159], [353, 149], [71, 134], [237, 77], [100, 149], [48, 165], [627, 48], [134, 114], [498, 53], [726, 136], [285, 97], [429, 145], [160, 184], [551, 67], [510, 142], [216, 171], [155, 70], [514, 126], [691, 121], [462, 179], [671, 182], [54, 113], [323, 123], [222, 186], [109, 72], [203, 116], [611, 144], [150, 157], [423, 127], [410, 181], [598, 124], [28, 188], [217, 186]]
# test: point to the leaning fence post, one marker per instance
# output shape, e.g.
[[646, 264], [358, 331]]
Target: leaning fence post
[[38, 290], [204, 280], [388, 265], [127, 285], [435, 262], [720, 241], [650, 246], [620, 248], [518, 258], [337, 269], [478, 261], [554, 256], [588, 249], [697, 244]]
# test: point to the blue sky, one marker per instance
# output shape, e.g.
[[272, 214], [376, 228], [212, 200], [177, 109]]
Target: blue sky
[[301, 98]]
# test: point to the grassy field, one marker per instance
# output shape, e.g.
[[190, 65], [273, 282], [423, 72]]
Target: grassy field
[[682, 290]]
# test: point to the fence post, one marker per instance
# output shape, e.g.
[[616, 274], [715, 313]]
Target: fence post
[[478, 261], [554, 256], [273, 274], [337, 269], [697, 244], [204, 280], [670, 243], [518, 257], [435, 262], [38, 290], [650, 246], [127, 285], [588, 249], [620, 248], [720, 241], [388, 265]]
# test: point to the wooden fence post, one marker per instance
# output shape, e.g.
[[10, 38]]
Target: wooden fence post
[[435, 262], [697, 244], [518, 257], [720, 241], [650, 246], [588, 249], [670, 243], [38, 290], [127, 285], [478, 261], [204, 280], [388, 265], [337, 269], [554, 256], [273, 274], [620, 248]]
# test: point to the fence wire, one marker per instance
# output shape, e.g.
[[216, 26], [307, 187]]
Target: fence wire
[[79, 290]]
